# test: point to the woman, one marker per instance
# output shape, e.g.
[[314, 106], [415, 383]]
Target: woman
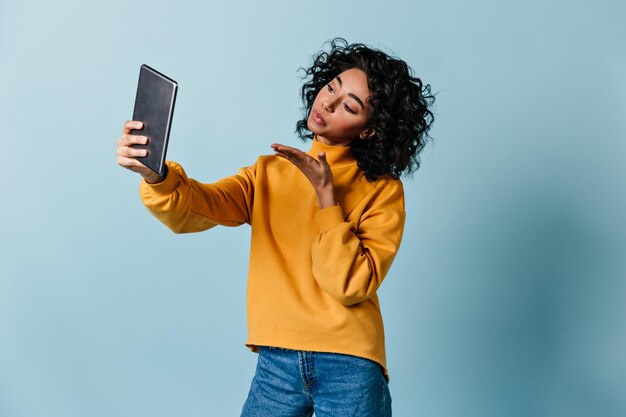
[[326, 226]]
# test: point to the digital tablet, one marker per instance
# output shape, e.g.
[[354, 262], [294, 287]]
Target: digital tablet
[[154, 106]]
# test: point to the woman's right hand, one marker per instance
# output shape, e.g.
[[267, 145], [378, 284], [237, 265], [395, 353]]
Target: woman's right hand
[[127, 156]]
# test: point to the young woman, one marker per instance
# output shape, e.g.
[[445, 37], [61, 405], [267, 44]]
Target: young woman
[[326, 226]]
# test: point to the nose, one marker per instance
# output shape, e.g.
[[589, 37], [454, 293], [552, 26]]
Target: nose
[[328, 105]]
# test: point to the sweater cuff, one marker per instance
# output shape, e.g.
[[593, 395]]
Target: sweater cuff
[[329, 217], [168, 185]]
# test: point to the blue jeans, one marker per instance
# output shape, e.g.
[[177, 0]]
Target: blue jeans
[[291, 383]]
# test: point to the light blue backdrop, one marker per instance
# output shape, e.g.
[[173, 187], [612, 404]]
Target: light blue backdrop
[[508, 294]]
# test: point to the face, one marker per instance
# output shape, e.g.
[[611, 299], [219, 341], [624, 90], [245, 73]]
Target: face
[[341, 111]]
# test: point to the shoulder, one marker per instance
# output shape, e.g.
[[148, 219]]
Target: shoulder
[[366, 198], [386, 194], [386, 187], [393, 185]]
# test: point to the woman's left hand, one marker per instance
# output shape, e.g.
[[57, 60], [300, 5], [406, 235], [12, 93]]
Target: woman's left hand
[[317, 172]]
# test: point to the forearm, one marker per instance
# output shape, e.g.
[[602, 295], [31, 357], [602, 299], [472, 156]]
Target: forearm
[[350, 269], [185, 205], [351, 257]]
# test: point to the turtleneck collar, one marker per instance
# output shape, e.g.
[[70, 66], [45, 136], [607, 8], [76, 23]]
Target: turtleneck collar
[[335, 155]]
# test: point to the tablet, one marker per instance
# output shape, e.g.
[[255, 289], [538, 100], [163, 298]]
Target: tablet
[[154, 106]]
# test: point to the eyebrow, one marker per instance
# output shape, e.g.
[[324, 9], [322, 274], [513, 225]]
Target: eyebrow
[[358, 100]]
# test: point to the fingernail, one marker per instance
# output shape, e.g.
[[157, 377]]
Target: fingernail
[[139, 124], [144, 153], [144, 140]]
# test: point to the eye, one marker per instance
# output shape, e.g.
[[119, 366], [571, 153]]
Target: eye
[[345, 106], [330, 88]]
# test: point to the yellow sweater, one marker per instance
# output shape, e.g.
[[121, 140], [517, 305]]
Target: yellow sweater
[[313, 273]]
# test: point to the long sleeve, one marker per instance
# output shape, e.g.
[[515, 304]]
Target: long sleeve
[[313, 274], [186, 205], [351, 260]]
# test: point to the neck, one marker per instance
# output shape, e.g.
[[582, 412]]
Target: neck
[[325, 141], [335, 155]]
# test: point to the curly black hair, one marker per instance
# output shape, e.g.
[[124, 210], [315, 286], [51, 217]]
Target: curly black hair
[[400, 118]]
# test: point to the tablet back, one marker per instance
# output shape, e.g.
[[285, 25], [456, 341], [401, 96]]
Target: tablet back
[[154, 106]]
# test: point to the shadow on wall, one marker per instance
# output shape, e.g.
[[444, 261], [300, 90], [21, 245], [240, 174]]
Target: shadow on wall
[[536, 311]]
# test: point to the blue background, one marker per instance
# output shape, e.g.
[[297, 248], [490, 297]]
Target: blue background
[[507, 296]]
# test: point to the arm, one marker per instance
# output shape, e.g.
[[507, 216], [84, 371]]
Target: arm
[[350, 261], [182, 204], [186, 205]]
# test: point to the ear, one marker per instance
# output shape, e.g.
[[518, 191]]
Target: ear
[[367, 133]]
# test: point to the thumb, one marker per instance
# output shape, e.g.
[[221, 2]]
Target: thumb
[[324, 162]]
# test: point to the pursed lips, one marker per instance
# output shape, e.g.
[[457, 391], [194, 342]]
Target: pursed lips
[[317, 118]]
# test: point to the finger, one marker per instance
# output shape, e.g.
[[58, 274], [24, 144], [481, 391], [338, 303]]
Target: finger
[[129, 163], [282, 149], [131, 152], [297, 156], [127, 140], [278, 145], [323, 161], [287, 149], [282, 155], [299, 163], [287, 157], [130, 125], [300, 159]]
